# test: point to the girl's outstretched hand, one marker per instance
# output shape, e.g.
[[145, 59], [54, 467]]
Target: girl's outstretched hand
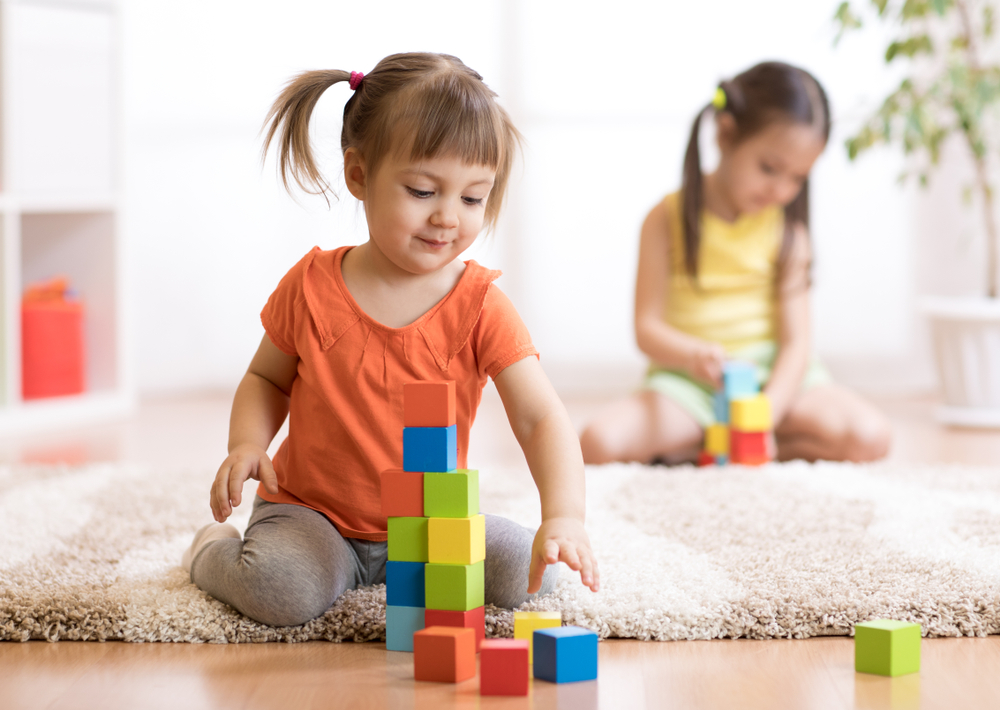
[[245, 461], [563, 540]]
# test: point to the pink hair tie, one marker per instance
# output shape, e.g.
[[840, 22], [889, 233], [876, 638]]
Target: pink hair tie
[[356, 78]]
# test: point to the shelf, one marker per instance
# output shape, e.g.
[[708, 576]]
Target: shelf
[[56, 412], [59, 203]]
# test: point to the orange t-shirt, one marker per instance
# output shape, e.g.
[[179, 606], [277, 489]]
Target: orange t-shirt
[[346, 409]]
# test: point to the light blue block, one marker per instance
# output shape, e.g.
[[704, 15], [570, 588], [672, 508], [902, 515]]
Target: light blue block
[[404, 583], [739, 379], [721, 406], [430, 448], [401, 622], [565, 654], [721, 460]]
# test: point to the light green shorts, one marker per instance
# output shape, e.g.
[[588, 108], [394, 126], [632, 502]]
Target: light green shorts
[[696, 398]]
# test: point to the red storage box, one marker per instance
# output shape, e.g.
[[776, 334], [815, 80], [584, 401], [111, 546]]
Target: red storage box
[[52, 351]]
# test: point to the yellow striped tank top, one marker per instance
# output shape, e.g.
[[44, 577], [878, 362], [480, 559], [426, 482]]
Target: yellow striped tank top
[[735, 301]]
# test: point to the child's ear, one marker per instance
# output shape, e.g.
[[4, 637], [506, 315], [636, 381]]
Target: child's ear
[[725, 130], [355, 173]]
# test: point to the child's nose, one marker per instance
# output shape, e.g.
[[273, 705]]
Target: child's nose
[[445, 217]]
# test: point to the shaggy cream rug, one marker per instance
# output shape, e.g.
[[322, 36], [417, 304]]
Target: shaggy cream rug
[[791, 550]]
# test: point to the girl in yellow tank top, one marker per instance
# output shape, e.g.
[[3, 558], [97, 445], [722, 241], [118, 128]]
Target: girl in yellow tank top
[[724, 268]]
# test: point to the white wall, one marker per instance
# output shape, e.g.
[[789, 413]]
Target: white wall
[[605, 100]]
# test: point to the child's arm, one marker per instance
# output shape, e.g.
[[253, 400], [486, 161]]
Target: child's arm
[[259, 409], [793, 328], [665, 345], [552, 449]]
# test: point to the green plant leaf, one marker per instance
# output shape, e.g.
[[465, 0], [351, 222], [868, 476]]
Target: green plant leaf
[[921, 44], [880, 5], [846, 19]]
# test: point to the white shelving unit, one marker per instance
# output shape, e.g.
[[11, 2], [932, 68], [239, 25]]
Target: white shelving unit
[[59, 195]]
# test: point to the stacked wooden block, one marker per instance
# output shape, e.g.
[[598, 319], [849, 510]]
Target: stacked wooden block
[[437, 538], [742, 420]]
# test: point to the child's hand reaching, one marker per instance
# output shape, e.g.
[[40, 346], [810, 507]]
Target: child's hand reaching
[[565, 540], [705, 362], [245, 461]]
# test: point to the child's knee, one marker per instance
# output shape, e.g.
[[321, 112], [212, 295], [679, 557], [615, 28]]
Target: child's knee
[[596, 445], [869, 439]]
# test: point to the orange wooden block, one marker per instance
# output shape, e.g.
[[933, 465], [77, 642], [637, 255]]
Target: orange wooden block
[[474, 619], [402, 494], [445, 654], [429, 404], [748, 447]]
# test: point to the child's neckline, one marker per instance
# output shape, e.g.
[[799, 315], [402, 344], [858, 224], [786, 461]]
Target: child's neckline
[[338, 275]]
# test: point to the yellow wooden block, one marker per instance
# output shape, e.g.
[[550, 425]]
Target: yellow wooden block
[[717, 439], [527, 622], [456, 541], [751, 413]]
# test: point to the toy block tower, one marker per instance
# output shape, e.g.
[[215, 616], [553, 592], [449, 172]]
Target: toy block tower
[[886, 647], [743, 419]]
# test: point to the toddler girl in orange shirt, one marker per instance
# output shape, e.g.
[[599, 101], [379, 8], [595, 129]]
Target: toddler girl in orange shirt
[[427, 150]]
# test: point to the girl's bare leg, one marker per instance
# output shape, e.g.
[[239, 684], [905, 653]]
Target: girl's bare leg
[[833, 423], [643, 427]]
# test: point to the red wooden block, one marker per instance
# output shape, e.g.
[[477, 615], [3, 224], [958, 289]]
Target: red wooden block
[[706, 459], [402, 494], [474, 619], [748, 447], [52, 348], [503, 667], [429, 404], [445, 654]]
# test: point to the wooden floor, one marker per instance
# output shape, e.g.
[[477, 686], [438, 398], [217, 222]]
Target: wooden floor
[[814, 673]]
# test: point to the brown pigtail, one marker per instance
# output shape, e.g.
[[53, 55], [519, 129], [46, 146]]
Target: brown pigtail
[[692, 198], [290, 115]]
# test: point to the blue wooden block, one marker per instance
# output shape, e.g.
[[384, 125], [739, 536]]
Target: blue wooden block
[[401, 622], [404, 583], [720, 403], [565, 654], [430, 448], [721, 460], [739, 379]]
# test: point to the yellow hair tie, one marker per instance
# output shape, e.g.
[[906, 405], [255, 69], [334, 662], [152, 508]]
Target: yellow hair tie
[[719, 100]]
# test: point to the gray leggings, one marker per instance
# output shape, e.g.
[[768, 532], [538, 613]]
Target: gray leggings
[[292, 564]]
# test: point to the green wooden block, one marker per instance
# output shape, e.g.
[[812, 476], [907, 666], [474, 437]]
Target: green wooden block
[[453, 587], [451, 495], [886, 647], [408, 539]]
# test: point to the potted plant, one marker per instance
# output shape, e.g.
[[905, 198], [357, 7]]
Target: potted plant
[[950, 92]]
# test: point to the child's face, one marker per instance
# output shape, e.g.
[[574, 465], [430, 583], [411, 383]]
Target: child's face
[[770, 167], [423, 214]]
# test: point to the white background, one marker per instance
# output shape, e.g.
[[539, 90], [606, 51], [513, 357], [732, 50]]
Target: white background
[[604, 94]]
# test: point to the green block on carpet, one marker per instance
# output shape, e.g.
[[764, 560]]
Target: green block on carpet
[[451, 495], [408, 539], [886, 647], [453, 587]]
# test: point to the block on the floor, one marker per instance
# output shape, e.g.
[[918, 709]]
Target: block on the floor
[[456, 541], [717, 439], [705, 459], [452, 494], [739, 379], [408, 539], [401, 622], [565, 655], [886, 647], [527, 622], [446, 654], [429, 404], [748, 447], [503, 667], [474, 619], [404, 583], [402, 493], [751, 414], [430, 448], [454, 587]]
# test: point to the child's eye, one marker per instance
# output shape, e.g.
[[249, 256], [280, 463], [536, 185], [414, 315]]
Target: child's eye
[[473, 201], [420, 194]]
